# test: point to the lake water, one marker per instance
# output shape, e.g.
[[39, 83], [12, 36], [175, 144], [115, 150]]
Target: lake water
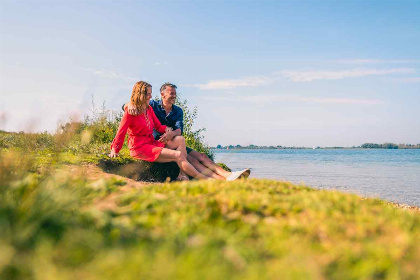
[[393, 175]]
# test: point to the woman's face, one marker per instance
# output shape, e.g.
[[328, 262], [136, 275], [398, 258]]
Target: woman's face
[[149, 94]]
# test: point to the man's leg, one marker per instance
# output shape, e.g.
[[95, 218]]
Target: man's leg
[[168, 155], [207, 162], [178, 143], [202, 169]]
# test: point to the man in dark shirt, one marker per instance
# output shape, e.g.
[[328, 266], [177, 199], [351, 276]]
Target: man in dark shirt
[[171, 115]]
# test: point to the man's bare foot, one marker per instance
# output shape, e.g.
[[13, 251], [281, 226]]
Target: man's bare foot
[[182, 176]]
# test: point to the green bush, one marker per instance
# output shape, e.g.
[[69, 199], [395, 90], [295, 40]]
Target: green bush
[[103, 127], [26, 141], [193, 138]]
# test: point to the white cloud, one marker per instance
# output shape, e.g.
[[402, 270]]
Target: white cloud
[[234, 83], [165, 64], [410, 80], [340, 100], [309, 76], [269, 99], [109, 74], [291, 98], [298, 76], [372, 61]]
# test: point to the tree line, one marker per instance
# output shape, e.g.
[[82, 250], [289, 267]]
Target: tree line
[[363, 146]]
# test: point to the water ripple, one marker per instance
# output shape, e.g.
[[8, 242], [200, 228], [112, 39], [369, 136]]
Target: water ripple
[[393, 175]]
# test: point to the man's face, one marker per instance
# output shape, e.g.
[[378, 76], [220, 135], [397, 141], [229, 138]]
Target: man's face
[[168, 95]]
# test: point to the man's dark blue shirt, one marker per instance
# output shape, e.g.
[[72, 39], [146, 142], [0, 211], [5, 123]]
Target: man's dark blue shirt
[[174, 119]]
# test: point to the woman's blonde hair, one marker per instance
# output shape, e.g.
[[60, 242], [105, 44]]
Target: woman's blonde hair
[[139, 96]]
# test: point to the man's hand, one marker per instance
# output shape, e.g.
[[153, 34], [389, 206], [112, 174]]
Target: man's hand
[[167, 136], [132, 109], [113, 154]]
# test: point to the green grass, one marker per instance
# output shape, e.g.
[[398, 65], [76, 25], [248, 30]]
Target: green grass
[[51, 227]]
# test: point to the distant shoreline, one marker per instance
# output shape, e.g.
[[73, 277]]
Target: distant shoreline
[[308, 148], [396, 147]]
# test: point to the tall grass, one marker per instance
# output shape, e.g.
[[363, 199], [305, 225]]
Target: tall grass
[[88, 141]]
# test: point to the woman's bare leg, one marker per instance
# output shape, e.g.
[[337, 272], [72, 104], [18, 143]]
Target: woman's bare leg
[[178, 143], [168, 155], [207, 162], [203, 170]]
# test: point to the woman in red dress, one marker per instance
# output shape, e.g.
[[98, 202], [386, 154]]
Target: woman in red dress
[[141, 143]]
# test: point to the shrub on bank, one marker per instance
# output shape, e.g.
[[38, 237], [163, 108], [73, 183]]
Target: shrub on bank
[[26, 141], [193, 138]]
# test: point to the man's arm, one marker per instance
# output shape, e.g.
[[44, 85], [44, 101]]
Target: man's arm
[[132, 110]]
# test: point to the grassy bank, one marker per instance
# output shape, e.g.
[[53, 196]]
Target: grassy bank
[[66, 213], [64, 221]]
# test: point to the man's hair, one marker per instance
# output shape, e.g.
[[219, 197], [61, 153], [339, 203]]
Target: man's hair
[[165, 85]]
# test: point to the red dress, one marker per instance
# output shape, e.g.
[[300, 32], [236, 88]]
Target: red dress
[[141, 143]]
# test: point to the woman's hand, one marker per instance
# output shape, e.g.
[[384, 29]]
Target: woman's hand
[[168, 135], [113, 154]]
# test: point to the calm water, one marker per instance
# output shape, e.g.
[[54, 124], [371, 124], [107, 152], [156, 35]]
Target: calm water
[[392, 175]]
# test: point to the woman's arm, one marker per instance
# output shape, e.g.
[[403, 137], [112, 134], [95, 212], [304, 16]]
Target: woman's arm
[[158, 126], [118, 141]]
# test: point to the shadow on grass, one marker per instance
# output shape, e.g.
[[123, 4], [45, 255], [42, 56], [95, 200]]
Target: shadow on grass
[[141, 170]]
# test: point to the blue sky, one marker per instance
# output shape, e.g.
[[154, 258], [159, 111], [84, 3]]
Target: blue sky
[[327, 73]]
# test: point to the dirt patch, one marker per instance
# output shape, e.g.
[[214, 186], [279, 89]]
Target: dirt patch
[[93, 173]]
